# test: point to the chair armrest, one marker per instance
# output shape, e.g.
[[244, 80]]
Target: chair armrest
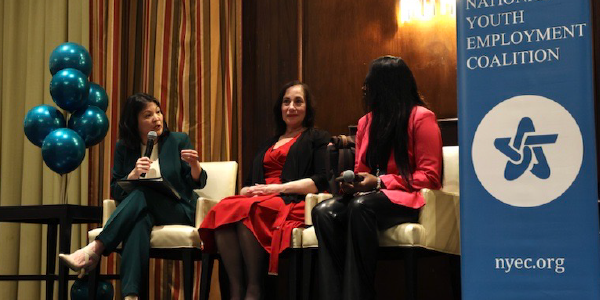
[[310, 202], [108, 207], [441, 219], [203, 205]]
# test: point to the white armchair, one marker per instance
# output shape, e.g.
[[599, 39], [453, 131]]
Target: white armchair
[[182, 242], [437, 229]]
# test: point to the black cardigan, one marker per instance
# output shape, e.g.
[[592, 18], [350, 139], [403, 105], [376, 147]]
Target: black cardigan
[[306, 159]]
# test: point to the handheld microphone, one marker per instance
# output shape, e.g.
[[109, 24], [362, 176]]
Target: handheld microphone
[[348, 176], [149, 146]]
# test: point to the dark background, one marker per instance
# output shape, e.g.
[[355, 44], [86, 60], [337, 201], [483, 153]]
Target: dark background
[[328, 44]]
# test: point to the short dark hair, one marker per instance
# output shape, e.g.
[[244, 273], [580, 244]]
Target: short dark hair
[[128, 123], [309, 118]]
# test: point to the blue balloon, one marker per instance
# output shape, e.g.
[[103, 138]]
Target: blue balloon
[[79, 290], [90, 123], [40, 121], [98, 97], [63, 150], [70, 55], [69, 89]]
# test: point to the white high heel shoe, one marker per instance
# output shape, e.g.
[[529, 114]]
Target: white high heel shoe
[[89, 263]]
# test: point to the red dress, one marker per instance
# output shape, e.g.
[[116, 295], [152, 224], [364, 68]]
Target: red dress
[[268, 217]]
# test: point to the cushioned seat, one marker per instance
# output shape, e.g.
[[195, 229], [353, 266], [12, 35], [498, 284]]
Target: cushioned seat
[[181, 236], [168, 236], [438, 228], [166, 239]]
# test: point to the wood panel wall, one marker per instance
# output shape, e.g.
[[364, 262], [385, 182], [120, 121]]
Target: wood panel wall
[[269, 60], [338, 40], [338, 48]]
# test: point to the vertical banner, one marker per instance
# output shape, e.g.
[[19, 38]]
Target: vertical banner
[[529, 211]]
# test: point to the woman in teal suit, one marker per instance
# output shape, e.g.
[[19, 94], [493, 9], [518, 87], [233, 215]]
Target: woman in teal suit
[[138, 211]]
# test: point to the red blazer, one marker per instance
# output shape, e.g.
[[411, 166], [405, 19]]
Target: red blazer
[[424, 152]]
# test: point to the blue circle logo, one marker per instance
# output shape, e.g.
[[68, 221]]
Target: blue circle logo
[[527, 151]]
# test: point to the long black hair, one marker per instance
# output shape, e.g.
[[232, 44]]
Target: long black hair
[[309, 118], [390, 93], [128, 123]]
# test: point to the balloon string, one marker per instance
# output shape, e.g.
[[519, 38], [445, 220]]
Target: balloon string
[[64, 180], [66, 188]]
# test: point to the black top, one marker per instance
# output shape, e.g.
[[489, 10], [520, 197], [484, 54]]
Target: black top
[[306, 159]]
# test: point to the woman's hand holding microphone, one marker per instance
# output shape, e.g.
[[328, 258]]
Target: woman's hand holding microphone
[[363, 182], [142, 166]]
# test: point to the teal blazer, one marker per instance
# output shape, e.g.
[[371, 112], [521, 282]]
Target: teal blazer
[[172, 168]]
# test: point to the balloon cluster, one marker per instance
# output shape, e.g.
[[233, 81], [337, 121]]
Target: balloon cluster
[[63, 143], [80, 290]]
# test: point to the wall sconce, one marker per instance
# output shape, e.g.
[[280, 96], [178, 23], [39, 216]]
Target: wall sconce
[[425, 10]]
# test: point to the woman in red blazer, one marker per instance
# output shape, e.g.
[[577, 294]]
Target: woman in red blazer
[[398, 153]]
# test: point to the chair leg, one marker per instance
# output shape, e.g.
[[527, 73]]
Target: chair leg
[[308, 259], [207, 267], [455, 276], [294, 278], [410, 259], [145, 284], [50, 259], [188, 273], [93, 281]]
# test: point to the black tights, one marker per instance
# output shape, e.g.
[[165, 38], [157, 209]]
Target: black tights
[[240, 250]]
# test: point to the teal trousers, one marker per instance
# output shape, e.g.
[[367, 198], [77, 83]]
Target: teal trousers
[[131, 224]]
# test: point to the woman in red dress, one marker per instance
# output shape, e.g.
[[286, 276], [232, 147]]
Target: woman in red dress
[[398, 153], [246, 229]]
